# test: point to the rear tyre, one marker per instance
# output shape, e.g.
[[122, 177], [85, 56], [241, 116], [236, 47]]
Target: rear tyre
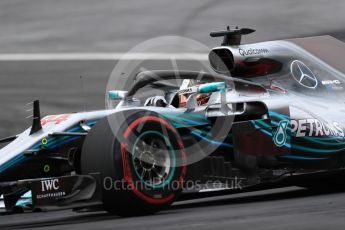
[[142, 166]]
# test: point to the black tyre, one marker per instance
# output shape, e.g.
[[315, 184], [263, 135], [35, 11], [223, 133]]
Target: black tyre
[[141, 159]]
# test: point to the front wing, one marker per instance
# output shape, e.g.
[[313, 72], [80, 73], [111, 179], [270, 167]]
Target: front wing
[[76, 191]]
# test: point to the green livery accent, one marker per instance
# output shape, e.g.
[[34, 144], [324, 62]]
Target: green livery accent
[[117, 94], [44, 141], [113, 95], [171, 153], [280, 135], [211, 87], [46, 168]]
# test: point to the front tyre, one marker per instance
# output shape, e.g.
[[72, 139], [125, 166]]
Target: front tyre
[[142, 162]]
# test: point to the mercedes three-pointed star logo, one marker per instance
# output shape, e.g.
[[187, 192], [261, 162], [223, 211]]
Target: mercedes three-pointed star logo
[[303, 75]]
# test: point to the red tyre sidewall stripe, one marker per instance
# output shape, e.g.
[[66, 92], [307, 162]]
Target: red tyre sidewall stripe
[[127, 169], [144, 119]]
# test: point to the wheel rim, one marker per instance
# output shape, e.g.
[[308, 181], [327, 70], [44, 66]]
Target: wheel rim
[[153, 159]]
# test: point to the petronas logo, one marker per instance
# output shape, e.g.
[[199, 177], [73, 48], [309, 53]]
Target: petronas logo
[[280, 135]]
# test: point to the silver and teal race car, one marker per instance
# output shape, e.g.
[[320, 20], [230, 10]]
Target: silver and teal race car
[[272, 115]]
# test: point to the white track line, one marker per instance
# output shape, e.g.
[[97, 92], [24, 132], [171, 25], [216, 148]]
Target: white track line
[[101, 56]]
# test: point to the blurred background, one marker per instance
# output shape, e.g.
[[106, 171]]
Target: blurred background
[[106, 26]]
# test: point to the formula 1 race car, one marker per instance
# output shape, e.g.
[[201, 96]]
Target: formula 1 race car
[[273, 115]]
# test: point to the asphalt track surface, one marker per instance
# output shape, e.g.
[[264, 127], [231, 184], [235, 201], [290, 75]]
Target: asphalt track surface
[[116, 26], [288, 208]]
